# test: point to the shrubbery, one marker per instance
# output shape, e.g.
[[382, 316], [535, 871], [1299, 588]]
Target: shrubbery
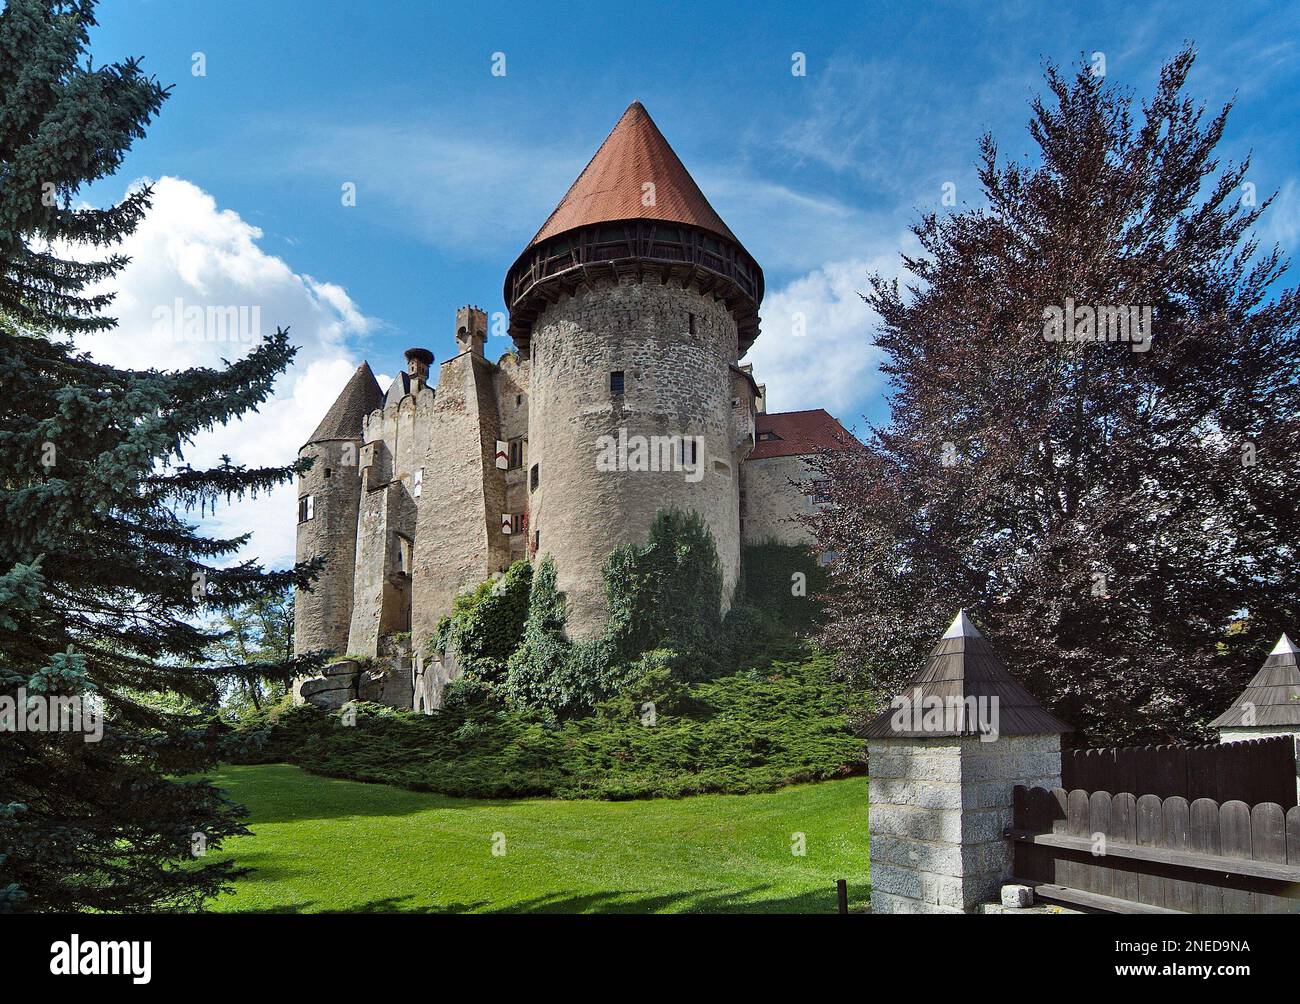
[[664, 595], [672, 700], [487, 624], [751, 731]]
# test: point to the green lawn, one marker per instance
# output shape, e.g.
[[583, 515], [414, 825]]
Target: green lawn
[[321, 844]]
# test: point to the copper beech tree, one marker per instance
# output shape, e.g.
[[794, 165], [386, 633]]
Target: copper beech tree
[[1094, 443]]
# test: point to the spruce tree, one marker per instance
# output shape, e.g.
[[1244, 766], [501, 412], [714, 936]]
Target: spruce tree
[[1123, 519], [105, 580]]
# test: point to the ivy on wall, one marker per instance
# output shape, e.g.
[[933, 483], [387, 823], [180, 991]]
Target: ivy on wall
[[664, 621]]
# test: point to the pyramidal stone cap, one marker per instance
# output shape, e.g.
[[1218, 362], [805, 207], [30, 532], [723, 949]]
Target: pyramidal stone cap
[[360, 396], [963, 667], [961, 627], [1272, 697]]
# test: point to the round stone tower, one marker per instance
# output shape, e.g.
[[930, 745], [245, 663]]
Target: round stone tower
[[329, 496], [634, 302]]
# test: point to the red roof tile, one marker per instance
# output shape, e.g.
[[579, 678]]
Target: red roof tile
[[609, 187], [799, 433]]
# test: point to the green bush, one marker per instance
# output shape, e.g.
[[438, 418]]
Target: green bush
[[751, 731], [768, 582], [487, 624], [667, 592], [549, 673]]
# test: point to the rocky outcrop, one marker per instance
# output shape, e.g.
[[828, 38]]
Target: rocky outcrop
[[333, 688], [388, 684]]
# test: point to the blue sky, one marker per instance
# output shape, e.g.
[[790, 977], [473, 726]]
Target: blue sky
[[456, 168]]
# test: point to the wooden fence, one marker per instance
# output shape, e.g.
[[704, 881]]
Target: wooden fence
[[1156, 855], [1252, 771]]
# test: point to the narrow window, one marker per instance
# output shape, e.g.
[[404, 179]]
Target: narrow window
[[327, 472], [306, 508], [404, 553], [537, 541], [616, 383], [690, 320], [519, 399], [417, 483], [516, 455], [533, 478]]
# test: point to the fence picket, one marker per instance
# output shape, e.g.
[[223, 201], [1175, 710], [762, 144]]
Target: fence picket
[[1099, 821], [1252, 771], [1268, 843], [1151, 887], [1204, 839], [1175, 819], [1123, 815], [1234, 836]]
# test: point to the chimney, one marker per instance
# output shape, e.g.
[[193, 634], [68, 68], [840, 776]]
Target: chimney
[[471, 329], [760, 395], [417, 364]]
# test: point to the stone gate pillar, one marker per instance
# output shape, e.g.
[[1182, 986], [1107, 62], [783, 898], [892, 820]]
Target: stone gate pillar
[[943, 761]]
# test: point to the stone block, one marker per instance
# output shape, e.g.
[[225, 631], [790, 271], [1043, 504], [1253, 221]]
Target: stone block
[[1017, 897]]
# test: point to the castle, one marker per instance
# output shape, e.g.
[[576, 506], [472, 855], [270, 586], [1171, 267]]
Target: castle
[[629, 311]]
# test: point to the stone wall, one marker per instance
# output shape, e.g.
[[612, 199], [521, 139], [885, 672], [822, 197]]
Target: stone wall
[[322, 615], [381, 595], [771, 501], [675, 383], [938, 808], [452, 546]]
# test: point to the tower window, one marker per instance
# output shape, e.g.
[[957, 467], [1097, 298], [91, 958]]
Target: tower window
[[306, 508], [690, 322], [537, 541], [616, 383], [417, 482], [405, 553], [519, 399], [533, 478], [516, 455], [327, 472]]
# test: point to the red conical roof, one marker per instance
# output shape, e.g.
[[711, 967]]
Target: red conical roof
[[610, 186]]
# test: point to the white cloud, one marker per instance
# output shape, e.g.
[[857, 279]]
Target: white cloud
[[479, 195], [833, 363], [189, 249]]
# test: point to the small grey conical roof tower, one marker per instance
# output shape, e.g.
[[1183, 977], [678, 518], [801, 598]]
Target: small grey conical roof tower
[[942, 786], [965, 665], [359, 397], [1271, 701]]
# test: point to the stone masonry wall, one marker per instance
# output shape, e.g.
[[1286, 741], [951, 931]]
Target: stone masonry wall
[[937, 811], [512, 386], [381, 590], [771, 501], [322, 614], [676, 383], [452, 550]]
